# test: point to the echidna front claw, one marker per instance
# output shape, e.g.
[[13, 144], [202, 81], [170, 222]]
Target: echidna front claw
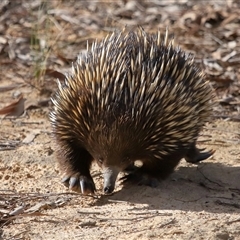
[[82, 184], [73, 182], [65, 181], [87, 185]]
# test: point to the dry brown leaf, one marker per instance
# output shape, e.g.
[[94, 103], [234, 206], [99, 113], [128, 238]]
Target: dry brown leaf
[[55, 74], [229, 19], [16, 108]]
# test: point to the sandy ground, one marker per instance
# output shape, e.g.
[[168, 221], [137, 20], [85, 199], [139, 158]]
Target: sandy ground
[[196, 202]]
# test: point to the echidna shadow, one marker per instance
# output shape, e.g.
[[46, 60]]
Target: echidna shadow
[[132, 96], [211, 187]]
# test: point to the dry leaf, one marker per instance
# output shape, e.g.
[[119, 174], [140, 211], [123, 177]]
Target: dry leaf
[[8, 88], [55, 74], [31, 136], [41, 206], [17, 211], [16, 108]]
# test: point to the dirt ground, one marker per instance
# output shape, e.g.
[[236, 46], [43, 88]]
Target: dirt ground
[[195, 202]]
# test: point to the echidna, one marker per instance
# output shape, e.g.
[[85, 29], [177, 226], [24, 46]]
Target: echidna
[[132, 96]]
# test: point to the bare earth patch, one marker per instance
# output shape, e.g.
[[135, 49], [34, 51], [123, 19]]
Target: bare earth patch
[[196, 202]]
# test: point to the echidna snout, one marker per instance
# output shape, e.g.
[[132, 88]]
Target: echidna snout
[[110, 175]]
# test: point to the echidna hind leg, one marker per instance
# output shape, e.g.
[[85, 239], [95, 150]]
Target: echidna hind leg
[[140, 178], [153, 170], [77, 171], [195, 155], [136, 175]]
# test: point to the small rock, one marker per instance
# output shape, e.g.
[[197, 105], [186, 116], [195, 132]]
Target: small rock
[[88, 223]]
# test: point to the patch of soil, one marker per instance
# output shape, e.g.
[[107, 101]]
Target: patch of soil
[[196, 201]]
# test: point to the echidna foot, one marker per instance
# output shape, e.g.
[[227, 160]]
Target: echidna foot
[[140, 179], [196, 155], [204, 155], [79, 183]]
